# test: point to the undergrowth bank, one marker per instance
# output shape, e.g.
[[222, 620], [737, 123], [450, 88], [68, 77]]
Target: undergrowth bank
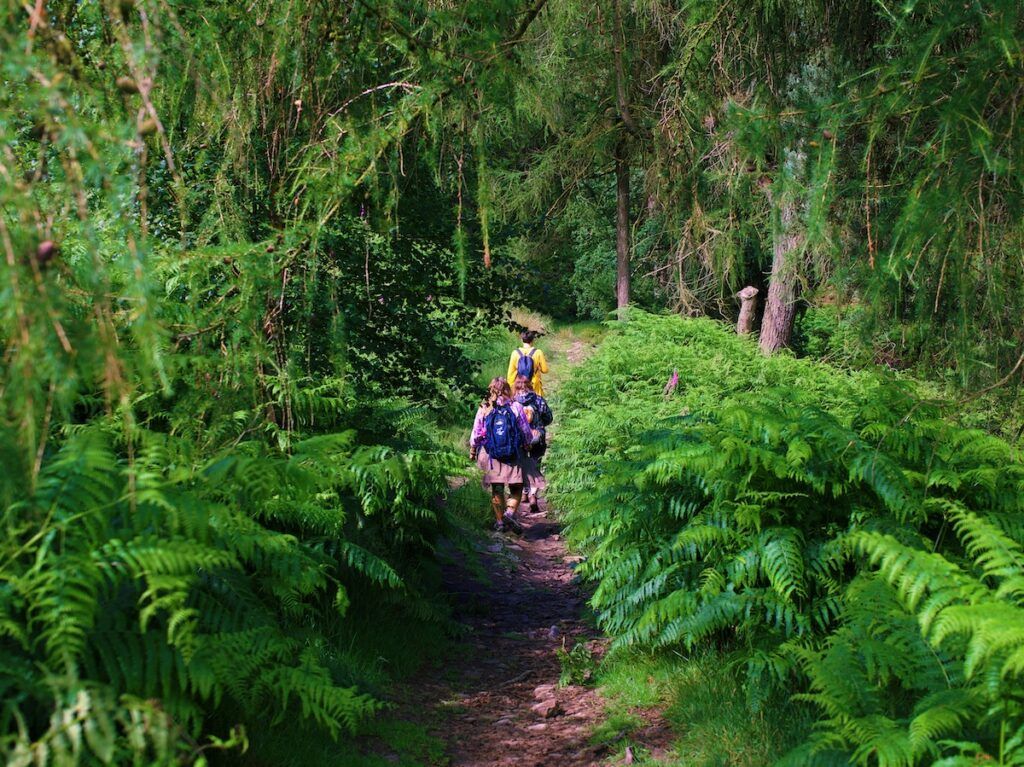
[[831, 533]]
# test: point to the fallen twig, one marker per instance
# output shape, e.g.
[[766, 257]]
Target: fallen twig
[[515, 679]]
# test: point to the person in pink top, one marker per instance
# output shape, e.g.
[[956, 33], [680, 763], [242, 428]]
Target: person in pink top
[[501, 427]]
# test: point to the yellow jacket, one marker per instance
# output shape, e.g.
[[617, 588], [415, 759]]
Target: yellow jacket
[[540, 365]]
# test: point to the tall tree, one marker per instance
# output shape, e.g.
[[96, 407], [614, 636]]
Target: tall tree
[[784, 282], [621, 158]]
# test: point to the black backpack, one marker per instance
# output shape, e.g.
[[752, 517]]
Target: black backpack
[[502, 439], [541, 407]]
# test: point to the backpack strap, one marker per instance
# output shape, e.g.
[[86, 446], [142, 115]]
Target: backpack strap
[[530, 355]]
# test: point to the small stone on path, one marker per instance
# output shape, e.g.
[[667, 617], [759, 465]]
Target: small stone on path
[[547, 708], [544, 691]]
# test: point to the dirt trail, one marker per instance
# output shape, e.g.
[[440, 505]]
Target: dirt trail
[[526, 608], [530, 608], [493, 702], [497, 701]]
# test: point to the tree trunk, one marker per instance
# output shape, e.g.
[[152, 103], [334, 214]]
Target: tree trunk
[[621, 225], [784, 284], [621, 163], [748, 308]]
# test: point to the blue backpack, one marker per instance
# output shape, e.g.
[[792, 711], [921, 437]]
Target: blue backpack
[[525, 365], [502, 439]]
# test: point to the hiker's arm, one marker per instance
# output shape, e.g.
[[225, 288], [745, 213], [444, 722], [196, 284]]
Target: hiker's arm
[[476, 438], [511, 369], [542, 362]]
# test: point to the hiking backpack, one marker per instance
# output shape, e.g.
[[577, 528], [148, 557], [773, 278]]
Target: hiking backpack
[[501, 434], [525, 365], [540, 408]]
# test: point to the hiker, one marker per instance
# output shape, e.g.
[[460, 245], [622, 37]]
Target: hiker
[[528, 361], [500, 435], [539, 415]]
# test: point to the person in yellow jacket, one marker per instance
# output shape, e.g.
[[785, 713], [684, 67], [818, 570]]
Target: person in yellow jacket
[[528, 358]]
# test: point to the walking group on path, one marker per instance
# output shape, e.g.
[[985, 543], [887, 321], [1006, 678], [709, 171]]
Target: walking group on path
[[509, 435]]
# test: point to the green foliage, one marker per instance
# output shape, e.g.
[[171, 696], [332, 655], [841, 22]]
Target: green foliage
[[218, 585], [577, 665], [215, 501], [889, 133], [702, 699], [238, 249], [572, 274], [750, 509]]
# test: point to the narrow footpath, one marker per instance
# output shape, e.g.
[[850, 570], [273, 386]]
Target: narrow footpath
[[498, 700], [504, 706]]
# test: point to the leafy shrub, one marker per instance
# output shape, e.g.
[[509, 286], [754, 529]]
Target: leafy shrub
[[405, 325], [217, 586], [577, 664], [213, 492], [746, 508], [831, 334]]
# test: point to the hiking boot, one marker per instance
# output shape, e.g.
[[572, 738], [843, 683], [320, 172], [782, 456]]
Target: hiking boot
[[512, 523], [499, 527], [534, 506]]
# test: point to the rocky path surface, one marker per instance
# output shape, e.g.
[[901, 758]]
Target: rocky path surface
[[504, 706]]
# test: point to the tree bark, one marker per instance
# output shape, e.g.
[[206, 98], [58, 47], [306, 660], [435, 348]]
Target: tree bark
[[629, 126], [621, 95], [621, 225], [784, 283], [748, 308]]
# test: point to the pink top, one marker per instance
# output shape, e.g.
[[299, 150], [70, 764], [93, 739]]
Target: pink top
[[479, 432]]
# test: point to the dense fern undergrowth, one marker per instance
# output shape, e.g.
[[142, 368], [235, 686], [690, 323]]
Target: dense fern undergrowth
[[835, 536], [155, 607], [219, 555], [222, 464]]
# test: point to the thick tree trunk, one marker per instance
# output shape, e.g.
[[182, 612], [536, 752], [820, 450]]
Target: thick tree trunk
[[748, 308], [621, 225], [784, 283]]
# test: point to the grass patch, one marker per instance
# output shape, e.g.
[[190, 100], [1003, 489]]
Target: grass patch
[[702, 700], [616, 729], [717, 727]]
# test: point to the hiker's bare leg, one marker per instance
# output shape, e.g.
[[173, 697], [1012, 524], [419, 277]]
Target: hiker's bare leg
[[498, 501], [515, 495]]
